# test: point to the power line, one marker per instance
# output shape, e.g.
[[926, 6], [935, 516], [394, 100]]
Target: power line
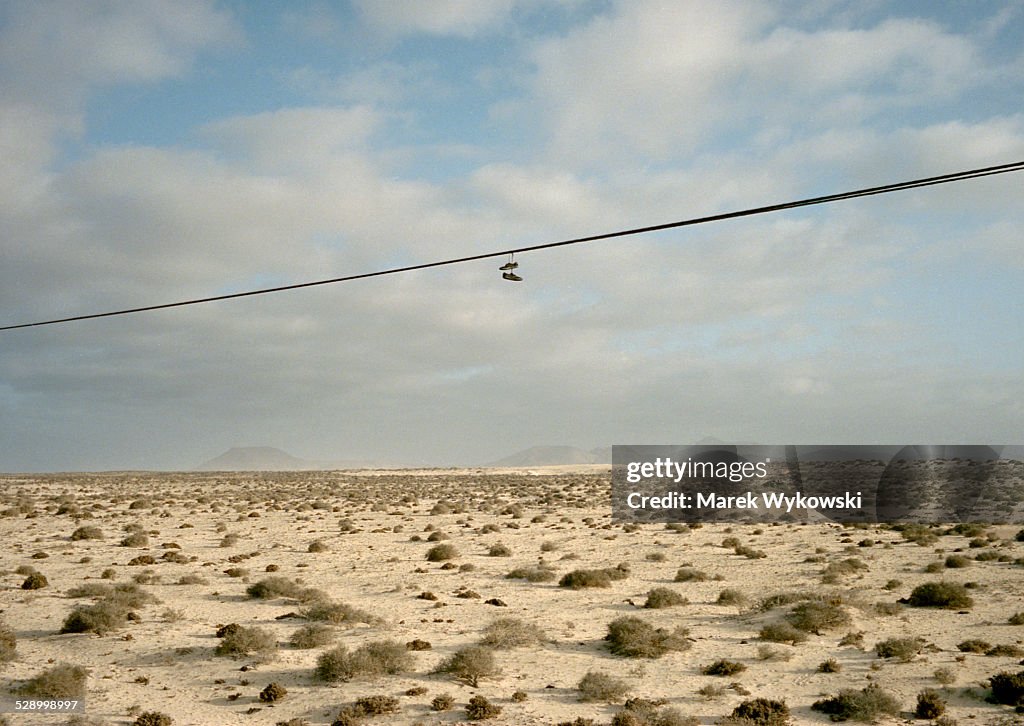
[[869, 191]]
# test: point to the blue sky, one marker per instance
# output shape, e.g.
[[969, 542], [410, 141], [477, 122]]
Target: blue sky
[[154, 151]]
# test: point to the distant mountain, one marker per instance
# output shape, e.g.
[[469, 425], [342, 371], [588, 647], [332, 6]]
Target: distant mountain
[[255, 458], [554, 456]]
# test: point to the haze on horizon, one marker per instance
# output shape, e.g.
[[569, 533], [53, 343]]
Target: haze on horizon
[[156, 151]]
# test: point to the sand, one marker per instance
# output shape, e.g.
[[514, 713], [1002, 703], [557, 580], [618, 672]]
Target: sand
[[164, 661]]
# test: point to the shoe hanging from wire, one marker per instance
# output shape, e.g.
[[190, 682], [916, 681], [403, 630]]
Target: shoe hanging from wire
[[506, 270]]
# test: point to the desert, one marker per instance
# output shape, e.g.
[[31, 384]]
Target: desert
[[448, 595]]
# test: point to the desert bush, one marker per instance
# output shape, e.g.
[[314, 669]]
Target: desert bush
[[512, 633], [814, 616], [663, 597], [61, 681], [644, 712], [442, 552], [768, 653], [537, 573], [499, 550], [318, 545], [480, 709], [632, 637], [929, 704], [903, 649], [192, 580], [600, 686], [1005, 650], [723, 667], [135, 539], [1008, 688], [88, 532], [690, 574], [579, 579], [973, 645], [470, 664], [418, 644], [153, 718], [866, 704], [831, 665], [734, 597], [35, 581], [761, 712], [313, 635], [957, 561], [247, 641], [945, 676], [337, 613], [375, 705], [100, 618], [655, 557], [272, 587], [1016, 618], [273, 692], [520, 696], [443, 702], [750, 553], [375, 658], [230, 540], [8, 644], [835, 571], [782, 633], [950, 595]]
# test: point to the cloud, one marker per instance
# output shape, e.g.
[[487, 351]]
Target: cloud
[[436, 17], [664, 79]]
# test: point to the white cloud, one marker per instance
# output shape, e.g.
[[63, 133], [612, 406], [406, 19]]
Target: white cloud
[[437, 17]]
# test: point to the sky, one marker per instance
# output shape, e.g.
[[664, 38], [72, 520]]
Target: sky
[[158, 151]]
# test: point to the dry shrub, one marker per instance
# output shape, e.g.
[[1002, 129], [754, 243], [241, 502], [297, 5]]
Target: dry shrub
[[732, 596], [480, 709], [903, 649], [644, 712], [337, 613], [35, 581], [950, 595], [88, 532], [443, 702], [723, 667], [8, 644], [600, 686], [135, 539], [814, 616], [499, 550], [272, 587], [1007, 687], [314, 635], [664, 597], [470, 664], [782, 633], [153, 718], [632, 637], [866, 704], [760, 712], [535, 573], [579, 579], [929, 704], [442, 552], [61, 681], [247, 641], [380, 657], [690, 574], [512, 633]]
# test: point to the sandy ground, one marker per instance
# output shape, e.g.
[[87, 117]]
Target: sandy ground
[[165, 660]]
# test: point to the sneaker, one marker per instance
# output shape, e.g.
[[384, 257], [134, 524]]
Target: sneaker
[[511, 276], [509, 266]]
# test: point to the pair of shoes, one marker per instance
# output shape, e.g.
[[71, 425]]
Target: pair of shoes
[[509, 266], [513, 277]]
